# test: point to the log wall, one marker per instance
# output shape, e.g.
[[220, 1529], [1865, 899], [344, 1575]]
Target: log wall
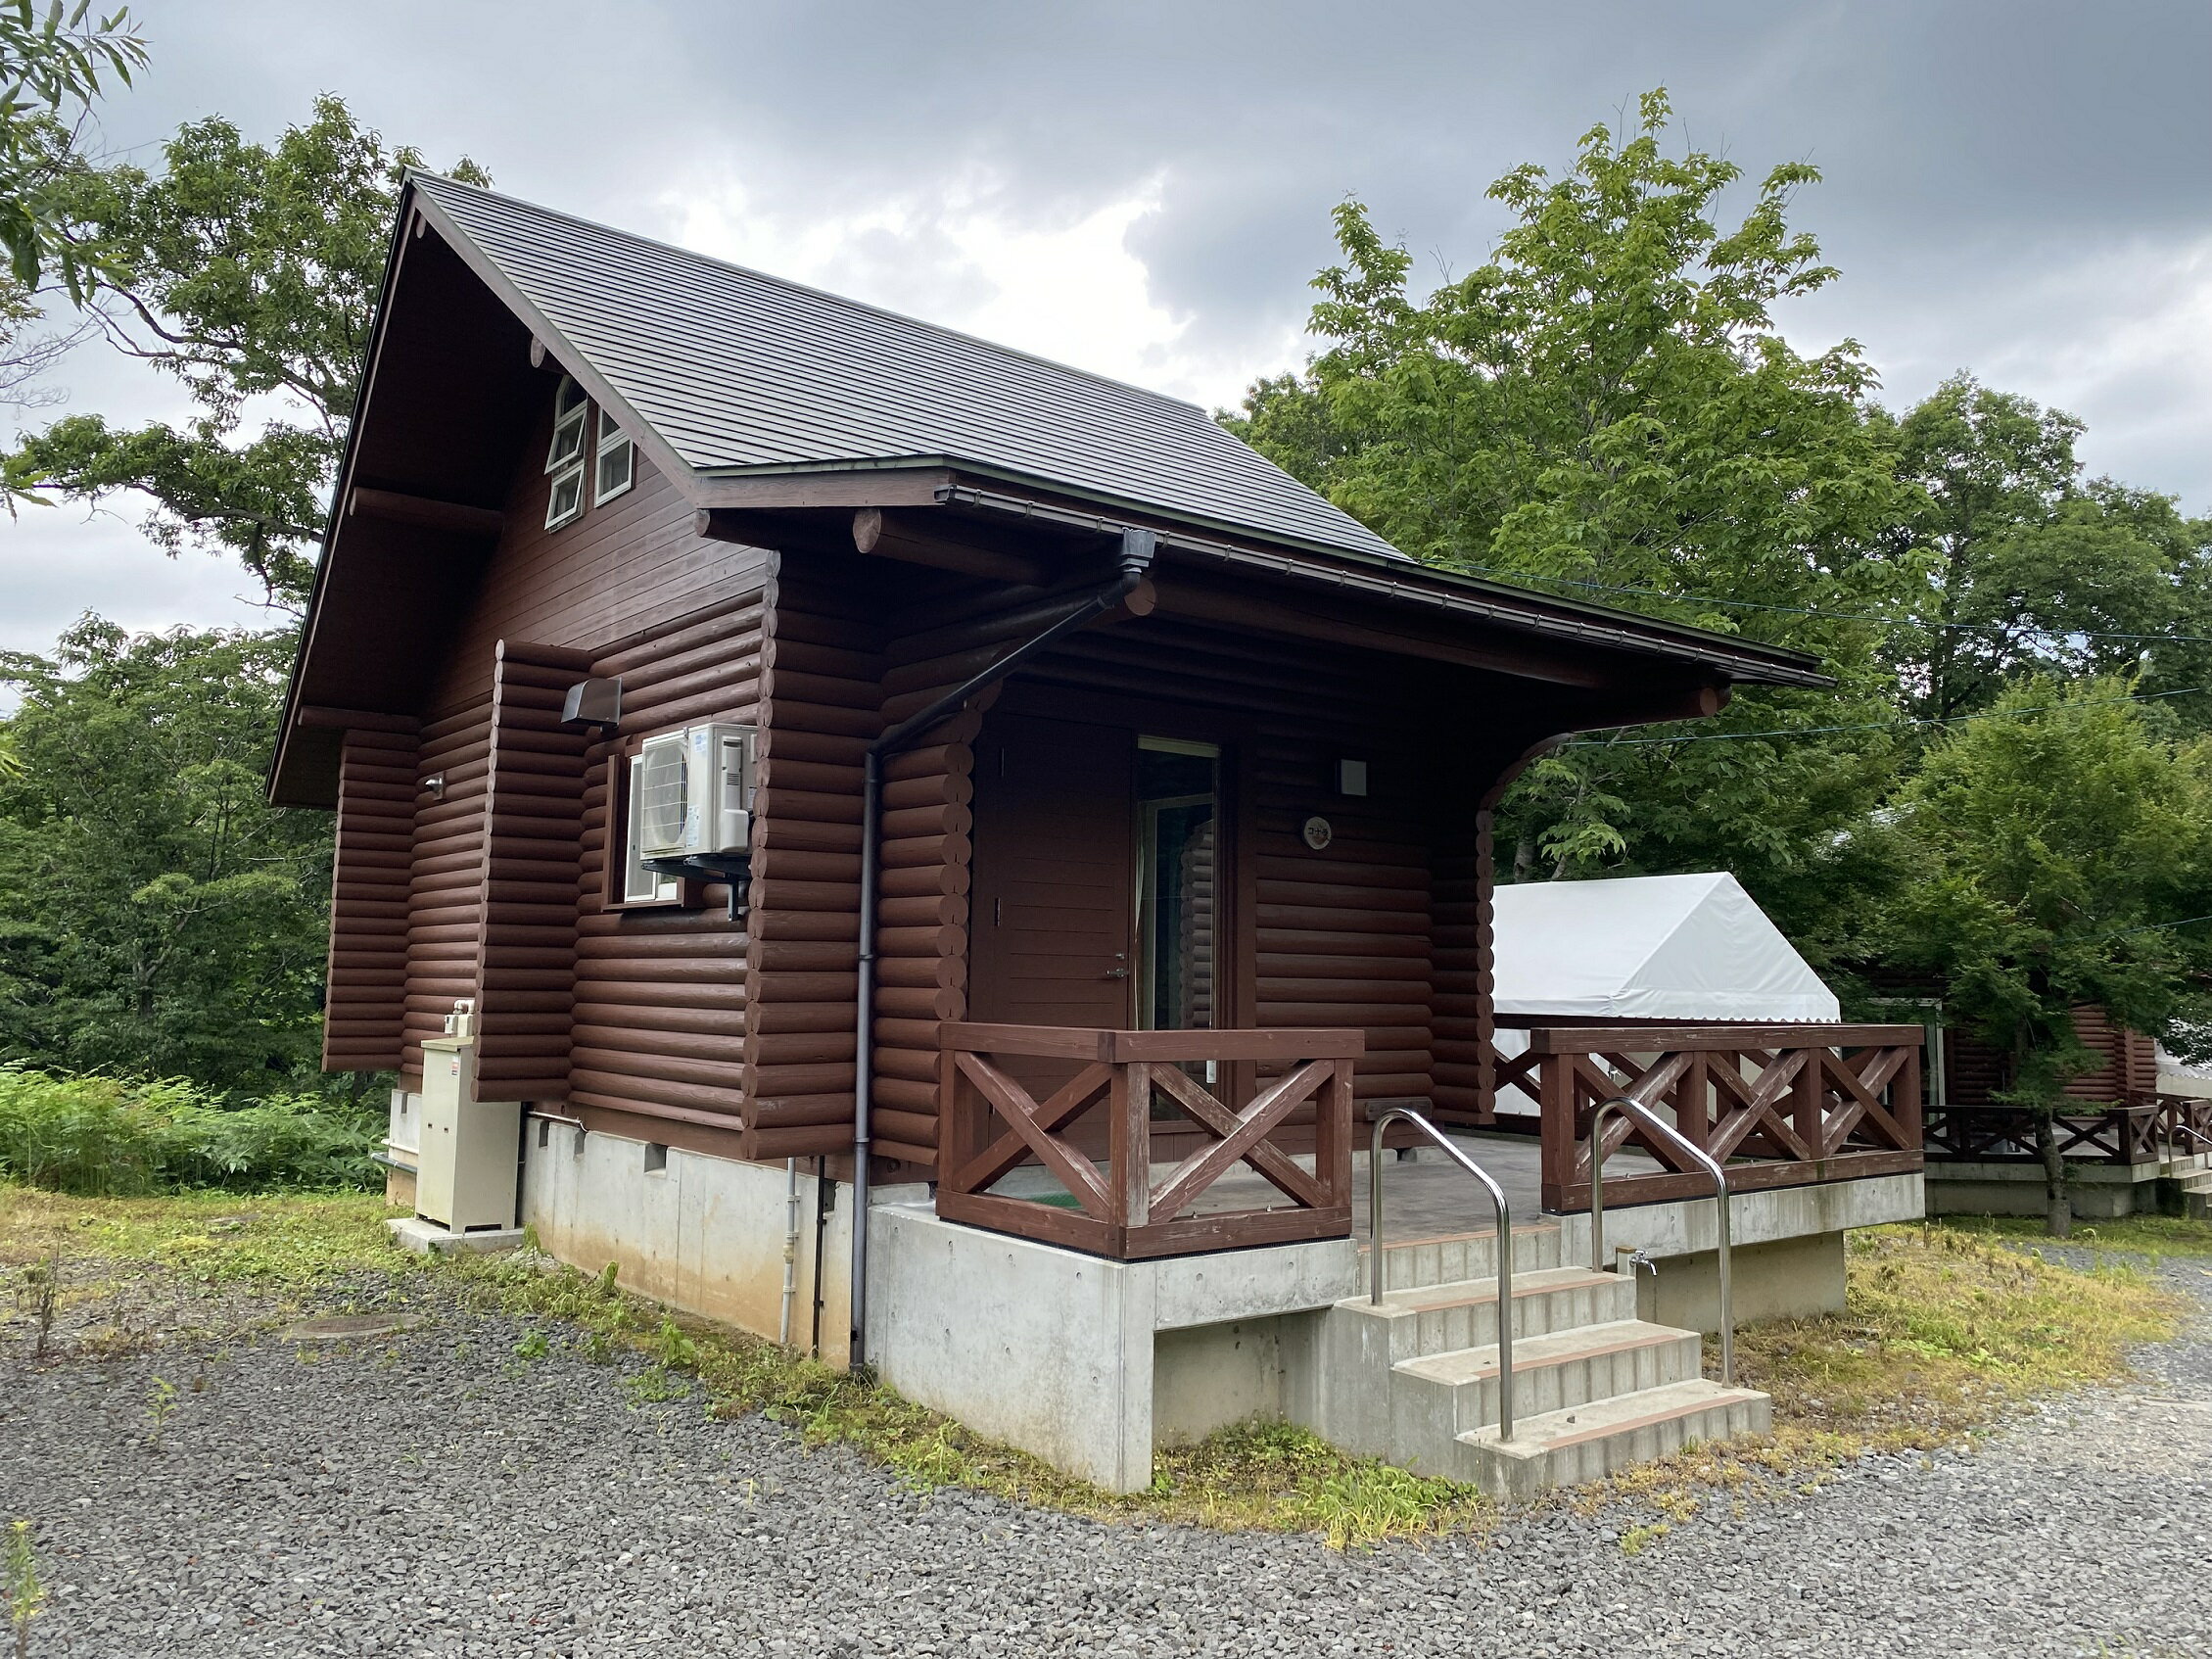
[[532, 843], [363, 1028], [661, 1011]]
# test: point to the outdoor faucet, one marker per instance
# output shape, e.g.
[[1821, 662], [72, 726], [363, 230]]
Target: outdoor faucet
[[1632, 1260]]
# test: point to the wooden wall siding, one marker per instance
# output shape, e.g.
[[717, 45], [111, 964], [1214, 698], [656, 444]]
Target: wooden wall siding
[[2128, 1064], [364, 1009], [533, 842], [1459, 920], [1340, 937], [660, 1008], [820, 670], [445, 886], [629, 565]]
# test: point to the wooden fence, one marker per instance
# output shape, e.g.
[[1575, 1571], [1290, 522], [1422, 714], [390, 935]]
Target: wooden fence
[[990, 1121], [2142, 1129], [1780, 1105]]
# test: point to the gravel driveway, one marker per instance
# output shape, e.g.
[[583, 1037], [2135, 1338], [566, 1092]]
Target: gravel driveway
[[434, 1493]]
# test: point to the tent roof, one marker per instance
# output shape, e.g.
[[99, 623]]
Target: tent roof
[[1648, 947]]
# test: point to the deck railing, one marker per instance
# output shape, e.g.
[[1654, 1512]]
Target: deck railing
[[2142, 1129], [991, 1121], [1781, 1106]]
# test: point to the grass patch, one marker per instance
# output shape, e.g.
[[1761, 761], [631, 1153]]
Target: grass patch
[[1943, 1332], [278, 1240], [2127, 1235]]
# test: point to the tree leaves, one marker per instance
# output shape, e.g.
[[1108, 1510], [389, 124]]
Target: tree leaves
[[249, 272], [160, 916]]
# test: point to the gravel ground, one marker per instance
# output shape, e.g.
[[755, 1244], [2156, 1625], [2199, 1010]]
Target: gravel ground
[[435, 1494]]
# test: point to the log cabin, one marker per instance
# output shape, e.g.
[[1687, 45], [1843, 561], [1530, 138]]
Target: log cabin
[[936, 857]]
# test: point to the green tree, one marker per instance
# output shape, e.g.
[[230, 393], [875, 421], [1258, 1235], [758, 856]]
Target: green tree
[[157, 915], [247, 271], [1607, 408], [51, 67], [2045, 857], [2027, 569]]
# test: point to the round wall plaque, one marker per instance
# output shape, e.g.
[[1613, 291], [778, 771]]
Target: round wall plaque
[[1318, 833]]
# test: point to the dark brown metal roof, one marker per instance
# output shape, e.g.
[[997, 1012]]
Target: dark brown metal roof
[[743, 374]]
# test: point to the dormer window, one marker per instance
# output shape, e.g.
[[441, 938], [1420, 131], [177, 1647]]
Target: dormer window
[[618, 459], [564, 456]]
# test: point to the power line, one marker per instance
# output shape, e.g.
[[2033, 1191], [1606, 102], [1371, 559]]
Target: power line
[[1875, 726], [1841, 615], [2153, 927]]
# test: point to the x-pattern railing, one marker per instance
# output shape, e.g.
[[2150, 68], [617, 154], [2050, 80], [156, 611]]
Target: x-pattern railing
[[1789, 1104], [992, 1122]]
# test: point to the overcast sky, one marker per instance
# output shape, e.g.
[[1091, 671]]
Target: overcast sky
[[2019, 187]]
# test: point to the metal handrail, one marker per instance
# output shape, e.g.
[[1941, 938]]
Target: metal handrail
[[1505, 1240], [1638, 1112]]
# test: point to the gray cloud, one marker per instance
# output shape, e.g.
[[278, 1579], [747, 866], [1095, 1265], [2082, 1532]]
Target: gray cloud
[[2017, 186]]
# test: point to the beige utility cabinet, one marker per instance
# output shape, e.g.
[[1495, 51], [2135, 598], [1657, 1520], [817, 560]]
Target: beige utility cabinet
[[468, 1149]]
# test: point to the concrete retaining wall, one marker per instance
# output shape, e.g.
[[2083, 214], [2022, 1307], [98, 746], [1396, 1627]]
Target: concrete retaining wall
[[700, 1233], [2099, 1191], [1084, 1362]]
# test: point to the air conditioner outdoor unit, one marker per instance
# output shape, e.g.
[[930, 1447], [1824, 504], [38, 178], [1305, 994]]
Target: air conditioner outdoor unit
[[694, 791]]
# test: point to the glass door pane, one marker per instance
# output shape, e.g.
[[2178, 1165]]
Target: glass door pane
[[1177, 869]]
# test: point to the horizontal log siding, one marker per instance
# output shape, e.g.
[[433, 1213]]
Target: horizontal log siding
[[534, 811], [1461, 962], [1340, 937], [445, 891], [660, 1009], [821, 672], [928, 850], [364, 1007]]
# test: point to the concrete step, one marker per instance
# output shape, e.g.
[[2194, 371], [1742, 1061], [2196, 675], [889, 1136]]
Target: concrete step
[[1600, 1438], [1408, 1263], [1431, 1319], [1440, 1395]]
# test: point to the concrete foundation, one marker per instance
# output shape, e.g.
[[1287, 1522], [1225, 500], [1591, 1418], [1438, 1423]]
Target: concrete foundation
[[1791, 1278], [2099, 1191], [427, 1237], [700, 1233], [1089, 1363]]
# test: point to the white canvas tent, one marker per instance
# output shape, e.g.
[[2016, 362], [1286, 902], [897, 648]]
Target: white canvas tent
[[1645, 947]]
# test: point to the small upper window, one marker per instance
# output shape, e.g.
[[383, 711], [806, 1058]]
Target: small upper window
[[570, 406], [618, 459], [564, 457]]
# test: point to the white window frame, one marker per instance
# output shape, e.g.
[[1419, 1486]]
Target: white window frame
[[613, 441], [640, 885], [570, 408], [564, 455]]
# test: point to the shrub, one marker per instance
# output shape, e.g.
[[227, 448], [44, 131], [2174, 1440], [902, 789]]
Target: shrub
[[98, 1135]]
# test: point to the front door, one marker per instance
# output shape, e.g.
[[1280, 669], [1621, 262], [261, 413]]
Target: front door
[[1097, 898], [1053, 929]]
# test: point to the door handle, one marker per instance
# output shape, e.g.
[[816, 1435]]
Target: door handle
[[1117, 973]]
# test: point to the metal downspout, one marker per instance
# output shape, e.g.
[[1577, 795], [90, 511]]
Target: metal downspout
[[1137, 547]]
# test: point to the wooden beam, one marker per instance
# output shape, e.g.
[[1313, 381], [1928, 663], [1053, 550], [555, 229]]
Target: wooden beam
[[897, 537], [424, 511], [1248, 610], [353, 720]]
